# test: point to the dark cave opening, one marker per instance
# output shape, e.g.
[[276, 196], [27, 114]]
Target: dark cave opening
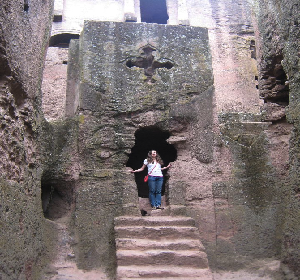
[[274, 85], [154, 11], [146, 139], [57, 198]]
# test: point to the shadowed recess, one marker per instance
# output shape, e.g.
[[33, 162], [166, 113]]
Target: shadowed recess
[[146, 139], [154, 11], [57, 198], [62, 40]]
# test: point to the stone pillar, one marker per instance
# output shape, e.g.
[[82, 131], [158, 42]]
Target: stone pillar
[[129, 11], [183, 16]]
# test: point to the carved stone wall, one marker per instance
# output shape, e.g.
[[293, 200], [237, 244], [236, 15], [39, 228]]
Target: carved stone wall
[[55, 83], [236, 170], [279, 82], [24, 233], [231, 160], [231, 39], [134, 76]]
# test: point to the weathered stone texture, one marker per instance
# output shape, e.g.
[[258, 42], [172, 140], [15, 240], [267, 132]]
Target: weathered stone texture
[[133, 76], [279, 29], [230, 174], [54, 83], [124, 42], [233, 46], [24, 30], [248, 208], [73, 77]]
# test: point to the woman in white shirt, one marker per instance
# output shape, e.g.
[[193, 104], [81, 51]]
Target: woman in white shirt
[[155, 177]]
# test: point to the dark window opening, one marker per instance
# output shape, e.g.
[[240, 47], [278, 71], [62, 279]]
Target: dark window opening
[[62, 40], [253, 49], [146, 139], [57, 18], [65, 62], [57, 198], [154, 11], [26, 5]]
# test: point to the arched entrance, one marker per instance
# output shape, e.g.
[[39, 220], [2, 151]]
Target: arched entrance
[[146, 139]]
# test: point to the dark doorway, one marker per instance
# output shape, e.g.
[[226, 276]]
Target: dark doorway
[[146, 139], [154, 11], [57, 198]]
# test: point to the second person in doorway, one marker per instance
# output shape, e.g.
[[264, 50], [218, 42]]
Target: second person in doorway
[[155, 177]]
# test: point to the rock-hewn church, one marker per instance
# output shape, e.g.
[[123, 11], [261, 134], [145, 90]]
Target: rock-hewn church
[[87, 88]]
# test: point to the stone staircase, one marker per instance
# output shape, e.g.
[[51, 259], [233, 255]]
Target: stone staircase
[[159, 247]]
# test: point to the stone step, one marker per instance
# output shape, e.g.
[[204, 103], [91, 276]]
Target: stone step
[[159, 247], [154, 221], [157, 232], [162, 271], [168, 278], [145, 244], [162, 257]]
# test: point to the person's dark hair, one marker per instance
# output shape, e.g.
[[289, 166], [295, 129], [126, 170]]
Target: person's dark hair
[[158, 158]]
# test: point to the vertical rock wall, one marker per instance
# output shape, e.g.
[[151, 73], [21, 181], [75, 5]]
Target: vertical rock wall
[[24, 31], [54, 83], [278, 24], [134, 76], [235, 186], [232, 186], [247, 219]]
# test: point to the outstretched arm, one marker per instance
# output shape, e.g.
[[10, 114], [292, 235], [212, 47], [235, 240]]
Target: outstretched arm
[[169, 165], [139, 170]]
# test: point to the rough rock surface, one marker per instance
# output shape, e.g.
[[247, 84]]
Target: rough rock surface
[[163, 247], [279, 29], [132, 76], [55, 83], [236, 170], [24, 233]]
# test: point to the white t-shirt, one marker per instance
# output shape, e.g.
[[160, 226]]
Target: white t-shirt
[[156, 171]]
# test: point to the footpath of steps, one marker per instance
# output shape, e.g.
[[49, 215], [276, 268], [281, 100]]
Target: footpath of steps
[[159, 247]]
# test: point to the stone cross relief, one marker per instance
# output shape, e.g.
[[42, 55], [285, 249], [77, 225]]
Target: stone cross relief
[[147, 61]]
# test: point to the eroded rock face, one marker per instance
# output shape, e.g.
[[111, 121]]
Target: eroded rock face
[[133, 77], [54, 83], [124, 78], [127, 79], [280, 60], [23, 230]]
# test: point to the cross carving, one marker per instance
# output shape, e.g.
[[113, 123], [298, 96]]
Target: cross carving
[[147, 61]]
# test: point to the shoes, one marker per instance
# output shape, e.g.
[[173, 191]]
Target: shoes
[[157, 207]]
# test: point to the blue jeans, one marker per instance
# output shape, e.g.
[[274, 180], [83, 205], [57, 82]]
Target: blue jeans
[[155, 186]]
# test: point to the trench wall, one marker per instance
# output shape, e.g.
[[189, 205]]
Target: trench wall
[[278, 24], [24, 234]]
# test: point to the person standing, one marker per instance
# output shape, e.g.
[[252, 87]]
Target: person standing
[[155, 177]]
